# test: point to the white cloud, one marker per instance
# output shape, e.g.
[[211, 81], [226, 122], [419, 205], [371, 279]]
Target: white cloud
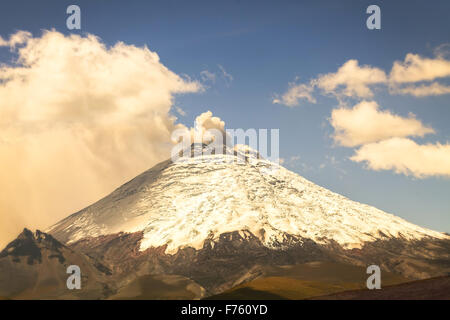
[[180, 111], [442, 51], [406, 157], [77, 119], [365, 123], [208, 76], [382, 134], [433, 89], [294, 94], [416, 68], [220, 75], [228, 77], [351, 80], [15, 39], [354, 81], [382, 137]]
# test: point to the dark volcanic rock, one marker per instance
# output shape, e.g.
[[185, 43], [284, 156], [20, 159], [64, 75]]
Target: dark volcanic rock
[[34, 266], [237, 257], [216, 267], [37, 262]]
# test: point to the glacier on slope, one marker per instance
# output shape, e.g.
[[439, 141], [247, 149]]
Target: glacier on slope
[[181, 204]]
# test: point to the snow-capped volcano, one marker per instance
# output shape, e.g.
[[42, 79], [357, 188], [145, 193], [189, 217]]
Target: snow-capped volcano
[[184, 203], [201, 225]]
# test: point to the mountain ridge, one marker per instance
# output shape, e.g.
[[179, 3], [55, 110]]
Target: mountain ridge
[[34, 265]]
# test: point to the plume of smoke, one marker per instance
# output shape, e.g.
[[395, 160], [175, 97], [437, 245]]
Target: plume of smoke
[[78, 118], [205, 123]]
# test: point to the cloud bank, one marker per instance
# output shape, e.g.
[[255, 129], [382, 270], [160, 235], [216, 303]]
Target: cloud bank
[[415, 75], [382, 136], [383, 144], [78, 118]]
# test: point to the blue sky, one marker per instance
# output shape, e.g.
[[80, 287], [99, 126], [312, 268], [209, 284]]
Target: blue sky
[[265, 45]]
